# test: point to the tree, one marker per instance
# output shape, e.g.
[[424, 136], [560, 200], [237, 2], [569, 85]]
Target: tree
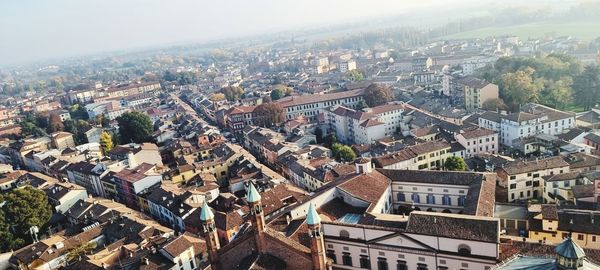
[[343, 152], [330, 140], [361, 105], [557, 94], [216, 97], [232, 93], [280, 91], [135, 127], [376, 95], [494, 104], [587, 87], [81, 250], [106, 143], [519, 88], [277, 94], [455, 164], [355, 75], [319, 135], [23, 208], [55, 123], [78, 112], [269, 114]]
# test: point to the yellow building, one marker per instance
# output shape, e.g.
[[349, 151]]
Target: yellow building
[[552, 226]]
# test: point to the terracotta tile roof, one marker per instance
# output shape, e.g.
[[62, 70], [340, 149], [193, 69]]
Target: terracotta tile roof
[[370, 123], [177, 246], [308, 99], [138, 173], [486, 229], [476, 133], [228, 221], [518, 167], [368, 187]]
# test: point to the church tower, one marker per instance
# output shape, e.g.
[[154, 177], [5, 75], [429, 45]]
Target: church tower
[[317, 246], [210, 235], [258, 218]]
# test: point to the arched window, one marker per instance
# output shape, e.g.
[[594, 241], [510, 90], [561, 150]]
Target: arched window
[[464, 249], [344, 234]]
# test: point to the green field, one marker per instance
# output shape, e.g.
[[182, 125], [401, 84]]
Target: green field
[[586, 30]]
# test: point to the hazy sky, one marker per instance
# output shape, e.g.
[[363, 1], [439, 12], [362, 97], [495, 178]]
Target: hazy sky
[[42, 29]]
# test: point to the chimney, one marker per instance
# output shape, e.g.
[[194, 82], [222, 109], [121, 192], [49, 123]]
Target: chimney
[[131, 160]]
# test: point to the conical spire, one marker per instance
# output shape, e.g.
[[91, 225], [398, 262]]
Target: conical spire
[[206, 213], [253, 195], [312, 217]]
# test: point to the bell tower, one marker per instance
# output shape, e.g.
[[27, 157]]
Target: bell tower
[[317, 245], [210, 235], [258, 217]]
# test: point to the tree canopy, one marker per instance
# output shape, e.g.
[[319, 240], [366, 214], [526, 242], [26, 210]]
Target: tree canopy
[[586, 87], [135, 127], [355, 75], [280, 91], [343, 152], [232, 93], [106, 142], [23, 208], [269, 114], [376, 95], [549, 80], [455, 164]]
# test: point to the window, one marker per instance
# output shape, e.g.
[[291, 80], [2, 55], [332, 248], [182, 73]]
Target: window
[[400, 196], [528, 183], [567, 183], [430, 199], [415, 198], [555, 184], [580, 237], [382, 264], [402, 265], [344, 234], [461, 201], [331, 255], [421, 266], [513, 186], [346, 259], [593, 238], [513, 177], [365, 262], [464, 249], [446, 200]]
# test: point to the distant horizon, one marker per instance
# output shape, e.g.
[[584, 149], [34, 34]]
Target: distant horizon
[[38, 31]]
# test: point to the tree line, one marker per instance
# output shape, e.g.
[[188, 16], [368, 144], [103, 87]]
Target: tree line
[[556, 80]]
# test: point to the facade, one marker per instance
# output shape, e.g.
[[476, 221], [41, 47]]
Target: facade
[[430, 241], [427, 155], [531, 120], [132, 181], [559, 187], [239, 117], [62, 196], [62, 140], [88, 175], [345, 66], [477, 92], [524, 179], [311, 106], [442, 191], [552, 226], [478, 141], [364, 126]]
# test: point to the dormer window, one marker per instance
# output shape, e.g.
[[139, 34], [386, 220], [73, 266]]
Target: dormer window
[[464, 249]]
